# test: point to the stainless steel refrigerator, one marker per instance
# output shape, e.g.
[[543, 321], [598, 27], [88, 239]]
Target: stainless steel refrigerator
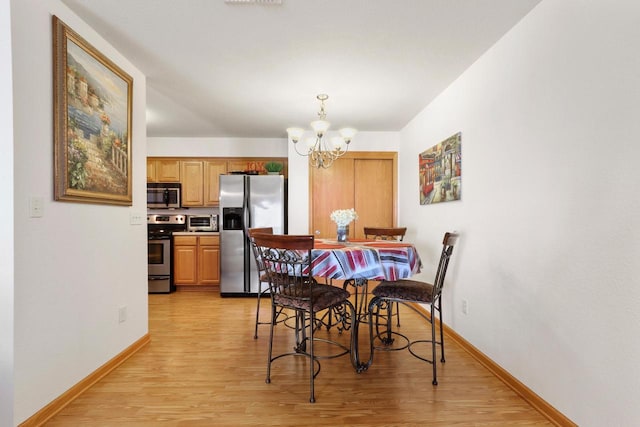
[[246, 201]]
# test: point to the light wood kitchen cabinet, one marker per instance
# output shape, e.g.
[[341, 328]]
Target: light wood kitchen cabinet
[[212, 171], [151, 170], [196, 260], [192, 172], [209, 260], [200, 182], [163, 170], [185, 260]]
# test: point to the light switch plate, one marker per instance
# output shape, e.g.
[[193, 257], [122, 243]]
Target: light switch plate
[[36, 207], [135, 218]]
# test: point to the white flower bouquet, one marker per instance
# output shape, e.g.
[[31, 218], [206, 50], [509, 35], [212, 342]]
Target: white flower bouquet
[[343, 217]]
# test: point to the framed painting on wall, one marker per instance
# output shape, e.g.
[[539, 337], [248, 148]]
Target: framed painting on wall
[[92, 102], [440, 170]]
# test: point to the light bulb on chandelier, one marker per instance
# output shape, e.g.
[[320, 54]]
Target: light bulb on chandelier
[[322, 152]]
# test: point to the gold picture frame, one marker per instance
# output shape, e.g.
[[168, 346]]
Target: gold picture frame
[[92, 103]]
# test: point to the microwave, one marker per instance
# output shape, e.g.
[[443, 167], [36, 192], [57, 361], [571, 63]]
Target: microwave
[[202, 223], [163, 195]]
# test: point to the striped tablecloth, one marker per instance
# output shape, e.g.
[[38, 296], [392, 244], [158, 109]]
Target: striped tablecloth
[[365, 259]]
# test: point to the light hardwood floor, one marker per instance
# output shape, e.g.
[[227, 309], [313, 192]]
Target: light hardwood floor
[[203, 368]]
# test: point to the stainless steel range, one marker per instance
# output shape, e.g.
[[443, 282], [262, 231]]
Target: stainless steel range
[[160, 243]]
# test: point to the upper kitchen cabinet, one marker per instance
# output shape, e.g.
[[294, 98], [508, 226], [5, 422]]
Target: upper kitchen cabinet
[[212, 171], [201, 181], [192, 172], [163, 170]]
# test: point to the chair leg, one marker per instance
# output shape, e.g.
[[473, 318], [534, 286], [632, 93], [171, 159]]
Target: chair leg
[[389, 340], [433, 345], [398, 313], [328, 315], [255, 334], [372, 304], [301, 332], [312, 319], [441, 332], [274, 315]]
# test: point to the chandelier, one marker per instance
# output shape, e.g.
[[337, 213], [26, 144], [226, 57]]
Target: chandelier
[[322, 153]]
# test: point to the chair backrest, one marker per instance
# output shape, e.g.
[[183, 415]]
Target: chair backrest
[[252, 232], [449, 241], [287, 260], [385, 233], [261, 230]]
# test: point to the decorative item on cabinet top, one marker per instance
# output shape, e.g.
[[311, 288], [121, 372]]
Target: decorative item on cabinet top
[[256, 166], [273, 168]]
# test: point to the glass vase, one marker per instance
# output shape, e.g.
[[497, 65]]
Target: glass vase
[[343, 233]]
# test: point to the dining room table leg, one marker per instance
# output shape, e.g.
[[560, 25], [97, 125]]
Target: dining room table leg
[[360, 295]]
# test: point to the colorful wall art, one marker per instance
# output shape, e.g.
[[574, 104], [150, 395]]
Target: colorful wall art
[[92, 123], [440, 172]]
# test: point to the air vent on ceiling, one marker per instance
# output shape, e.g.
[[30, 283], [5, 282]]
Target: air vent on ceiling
[[254, 1]]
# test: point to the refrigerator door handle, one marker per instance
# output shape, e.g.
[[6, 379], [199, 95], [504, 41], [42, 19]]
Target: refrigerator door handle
[[246, 219], [246, 210]]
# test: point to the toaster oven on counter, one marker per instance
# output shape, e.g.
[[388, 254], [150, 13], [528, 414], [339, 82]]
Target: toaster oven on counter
[[202, 222]]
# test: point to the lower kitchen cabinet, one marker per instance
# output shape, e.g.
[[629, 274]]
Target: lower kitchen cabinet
[[209, 260], [196, 260], [185, 260]]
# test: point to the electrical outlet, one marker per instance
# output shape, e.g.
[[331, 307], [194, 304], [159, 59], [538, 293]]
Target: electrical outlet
[[135, 218], [122, 314], [465, 306]]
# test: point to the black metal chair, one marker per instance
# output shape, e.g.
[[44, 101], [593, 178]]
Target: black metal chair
[[387, 233], [287, 261], [262, 275], [406, 291]]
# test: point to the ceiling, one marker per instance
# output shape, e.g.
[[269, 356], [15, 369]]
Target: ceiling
[[216, 69]]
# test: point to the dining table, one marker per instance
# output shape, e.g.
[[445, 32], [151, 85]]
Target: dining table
[[365, 259], [358, 261]]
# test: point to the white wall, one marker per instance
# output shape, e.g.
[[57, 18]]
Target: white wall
[[217, 147], [78, 263], [6, 221], [549, 216]]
